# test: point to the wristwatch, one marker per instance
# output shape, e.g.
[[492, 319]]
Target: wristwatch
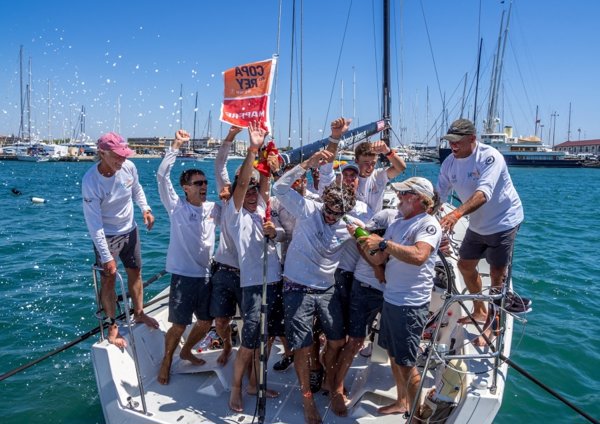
[[383, 245]]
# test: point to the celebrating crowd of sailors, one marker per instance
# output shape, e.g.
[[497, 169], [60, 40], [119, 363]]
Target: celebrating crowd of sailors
[[324, 286]]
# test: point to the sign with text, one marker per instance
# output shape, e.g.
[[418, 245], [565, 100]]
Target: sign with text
[[246, 94]]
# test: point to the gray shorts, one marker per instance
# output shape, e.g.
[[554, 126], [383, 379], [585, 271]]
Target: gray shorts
[[400, 331], [226, 292], [189, 296], [251, 302], [301, 305], [496, 248], [365, 303], [343, 288], [125, 247]]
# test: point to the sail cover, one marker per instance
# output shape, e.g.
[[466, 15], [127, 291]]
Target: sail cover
[[246, 95]]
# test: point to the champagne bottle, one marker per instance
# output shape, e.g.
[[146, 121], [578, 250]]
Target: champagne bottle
[[359, 232]]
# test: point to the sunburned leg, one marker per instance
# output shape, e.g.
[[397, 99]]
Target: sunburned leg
[[468, 269], [198, 332], [108, 299], [330, 360], [301, 364], [401, 405], [224, 331], [171, 341], [242, 359], [136, 290], [252, 388]]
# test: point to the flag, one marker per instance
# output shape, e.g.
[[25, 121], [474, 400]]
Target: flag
[[246, 94]]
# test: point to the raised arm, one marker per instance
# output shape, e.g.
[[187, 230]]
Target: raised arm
[[257, 138], [221, 174], [166, 191], [398, 164], [338, 128]]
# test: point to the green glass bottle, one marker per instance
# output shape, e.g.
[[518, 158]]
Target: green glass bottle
[[358, 232]]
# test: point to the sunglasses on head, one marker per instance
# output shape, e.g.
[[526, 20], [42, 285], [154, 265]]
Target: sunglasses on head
[[404, 192], [199, 183]]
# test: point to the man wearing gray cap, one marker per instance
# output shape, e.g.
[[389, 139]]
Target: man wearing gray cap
[[408, 250], [479, 175]]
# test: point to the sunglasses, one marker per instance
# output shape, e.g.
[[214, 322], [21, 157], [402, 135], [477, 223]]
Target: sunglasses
[[199, 183], [331, 212], [404, 192]]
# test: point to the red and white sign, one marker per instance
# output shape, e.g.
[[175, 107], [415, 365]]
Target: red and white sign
[[246, 94]]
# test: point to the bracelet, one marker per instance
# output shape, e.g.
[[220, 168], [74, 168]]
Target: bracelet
[[457, 214], [390, 153], [334, 140]]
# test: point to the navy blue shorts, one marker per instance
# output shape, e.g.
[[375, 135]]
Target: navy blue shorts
[[496, 248], [226, 292], [400, 331], [301, 305], [251, 302], [125, 247], [343, 289], [189, 296], [365, 303]]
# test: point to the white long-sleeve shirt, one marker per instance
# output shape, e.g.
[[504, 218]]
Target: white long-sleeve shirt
[[316, 247], [108, 204], [192, 237]]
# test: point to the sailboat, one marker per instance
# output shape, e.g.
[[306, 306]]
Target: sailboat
[[461, 383], [517, 151]]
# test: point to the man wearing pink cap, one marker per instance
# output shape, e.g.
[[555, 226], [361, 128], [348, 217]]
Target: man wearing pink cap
[[109, 189]]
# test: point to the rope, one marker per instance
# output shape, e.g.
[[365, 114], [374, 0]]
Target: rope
[[81, 338]]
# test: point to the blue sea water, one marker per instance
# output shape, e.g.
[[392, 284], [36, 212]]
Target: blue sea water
[[47, 300]]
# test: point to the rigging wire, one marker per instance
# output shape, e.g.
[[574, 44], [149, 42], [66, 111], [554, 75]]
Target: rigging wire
[[337, 67], [291, 73], [437, 76], [276, 67]]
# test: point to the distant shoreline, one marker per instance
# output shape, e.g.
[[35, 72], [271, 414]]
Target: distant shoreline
[[83, 158]]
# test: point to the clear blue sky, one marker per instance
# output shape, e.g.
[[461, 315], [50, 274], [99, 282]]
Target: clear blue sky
[[94, 53]]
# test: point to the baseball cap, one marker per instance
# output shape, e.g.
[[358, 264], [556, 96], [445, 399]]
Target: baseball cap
[[351, 165], [458, 129], [114, 142], [418, 184]]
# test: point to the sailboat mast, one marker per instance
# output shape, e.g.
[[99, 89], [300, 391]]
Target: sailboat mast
[[569, 127], [181, 106], [477, 82], [29, 104], [22, 124], [195, 114], [49, 123], [387, 96]]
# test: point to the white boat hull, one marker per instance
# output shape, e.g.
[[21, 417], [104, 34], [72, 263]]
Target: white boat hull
[[201, 393]]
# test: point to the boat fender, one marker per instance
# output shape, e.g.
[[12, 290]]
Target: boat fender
[[452, 383], [38, 200]]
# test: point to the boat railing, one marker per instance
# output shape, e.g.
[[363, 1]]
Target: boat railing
[[100, 316], [495, 348]]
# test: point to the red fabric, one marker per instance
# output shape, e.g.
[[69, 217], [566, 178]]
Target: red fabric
[[263, 166]]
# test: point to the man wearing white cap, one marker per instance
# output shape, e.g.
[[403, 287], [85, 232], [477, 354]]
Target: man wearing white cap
[[479, 175], [109, 189], [408, 249]]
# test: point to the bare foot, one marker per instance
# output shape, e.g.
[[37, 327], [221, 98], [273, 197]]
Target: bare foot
[[393, 408], [338, 404], [480, 341], [164, 372], [270, 393], [189, 356], [115, 338], [145, 319], [224, 356], [235, 399], [479, 319], [311, 415]]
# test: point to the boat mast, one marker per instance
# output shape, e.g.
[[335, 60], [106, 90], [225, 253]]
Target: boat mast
[[569, 127], [497, 73], [195, 115], [49, 129], [387, 98], [22, 124], [29, 104], [181, 106]]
